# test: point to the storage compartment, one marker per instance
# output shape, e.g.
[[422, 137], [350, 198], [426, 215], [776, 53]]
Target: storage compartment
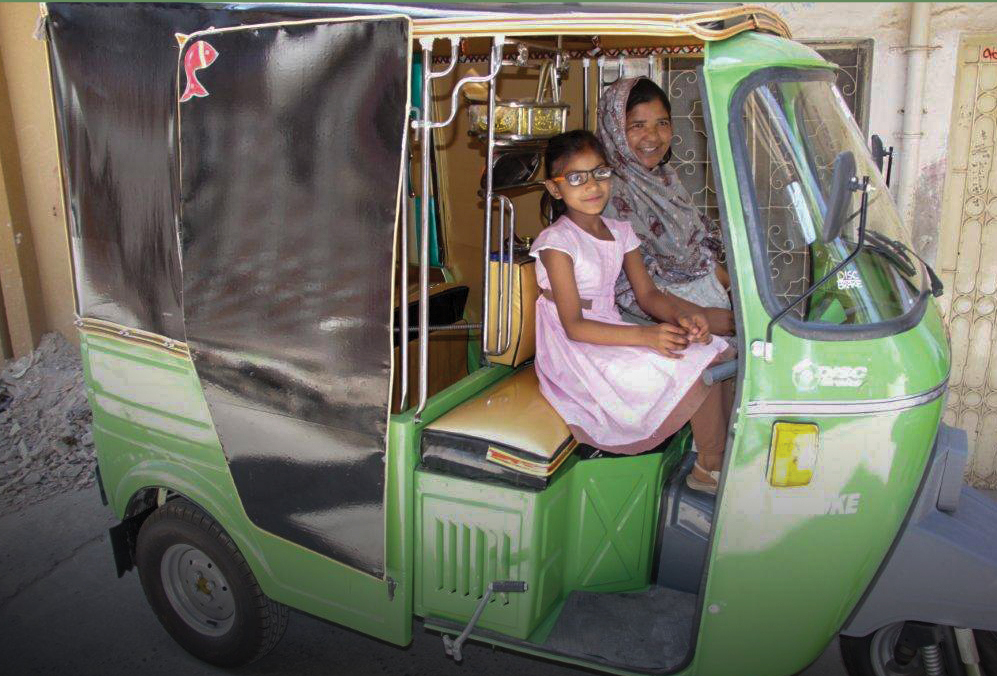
[[592, 529]]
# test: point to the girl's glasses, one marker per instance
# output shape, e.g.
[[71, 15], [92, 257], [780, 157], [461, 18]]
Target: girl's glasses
[[577, 178]]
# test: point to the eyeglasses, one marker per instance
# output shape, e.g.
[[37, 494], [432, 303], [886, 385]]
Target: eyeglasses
[[577, 178]]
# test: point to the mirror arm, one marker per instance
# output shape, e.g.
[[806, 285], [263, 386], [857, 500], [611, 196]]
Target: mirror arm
[[863, 186], [889, 165]]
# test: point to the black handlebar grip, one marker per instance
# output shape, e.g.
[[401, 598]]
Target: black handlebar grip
[[720, 372], [507, 586]]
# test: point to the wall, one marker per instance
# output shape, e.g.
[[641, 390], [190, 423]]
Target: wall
[[888, 24], [37, 286]]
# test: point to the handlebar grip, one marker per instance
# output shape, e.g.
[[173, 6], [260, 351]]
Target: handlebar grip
[[720, 372], [508, 586]]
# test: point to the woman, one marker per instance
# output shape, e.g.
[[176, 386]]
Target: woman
[[636, 129]]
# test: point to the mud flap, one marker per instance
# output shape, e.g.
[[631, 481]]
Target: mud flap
[[124, 537], [943, 566]]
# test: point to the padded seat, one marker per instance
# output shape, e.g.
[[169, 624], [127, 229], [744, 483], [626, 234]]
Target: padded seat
[[507, 433]]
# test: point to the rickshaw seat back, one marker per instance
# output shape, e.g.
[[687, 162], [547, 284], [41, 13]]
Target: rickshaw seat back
[[522, 342]]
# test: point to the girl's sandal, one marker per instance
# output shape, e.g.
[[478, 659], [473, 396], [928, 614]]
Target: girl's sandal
[[703, 486]]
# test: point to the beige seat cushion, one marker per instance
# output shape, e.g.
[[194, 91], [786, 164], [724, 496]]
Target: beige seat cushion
[[509, 425]]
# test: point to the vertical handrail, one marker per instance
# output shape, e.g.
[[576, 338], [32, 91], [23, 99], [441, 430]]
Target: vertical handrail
[[500, 268], [600, 67], [426, 149], [426, 125], [505, 277], [403, 272], [586, 65], [495, 58], [507, 263]]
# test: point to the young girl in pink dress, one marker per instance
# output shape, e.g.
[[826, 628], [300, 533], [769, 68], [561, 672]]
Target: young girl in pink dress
[[620, 387]]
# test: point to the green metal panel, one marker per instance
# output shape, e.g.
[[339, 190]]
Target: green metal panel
[[592, 529], [152, 429], [472, 534], [612, 521]]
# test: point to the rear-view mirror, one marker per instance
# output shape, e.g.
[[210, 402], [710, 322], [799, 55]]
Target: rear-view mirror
[[878, 151], [841, 191]]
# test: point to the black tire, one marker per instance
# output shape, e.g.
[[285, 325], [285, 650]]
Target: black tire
[[252, 624], [855, 655], [986, 645]]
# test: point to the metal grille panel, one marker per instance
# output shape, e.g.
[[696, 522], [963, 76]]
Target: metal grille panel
[[968, 256]]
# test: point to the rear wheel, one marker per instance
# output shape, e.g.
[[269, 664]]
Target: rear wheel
[[202, 589], [870, 655], [986, 645]]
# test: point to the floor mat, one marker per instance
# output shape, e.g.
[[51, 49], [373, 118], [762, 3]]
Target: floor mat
[[649, 629]]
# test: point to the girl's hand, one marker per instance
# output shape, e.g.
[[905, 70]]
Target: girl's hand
[[696, 327], [667, 339], [720, 321]]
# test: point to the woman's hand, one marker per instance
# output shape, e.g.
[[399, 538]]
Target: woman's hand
[[720, 321], [667, 339], [723, 277], [696, 327]]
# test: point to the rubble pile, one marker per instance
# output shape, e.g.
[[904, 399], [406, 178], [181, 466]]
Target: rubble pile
[[46, 444]]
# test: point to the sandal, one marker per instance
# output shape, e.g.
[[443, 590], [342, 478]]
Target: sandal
[[703, 486]]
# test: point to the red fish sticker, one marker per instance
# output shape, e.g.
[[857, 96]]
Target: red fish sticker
[[200, 55]]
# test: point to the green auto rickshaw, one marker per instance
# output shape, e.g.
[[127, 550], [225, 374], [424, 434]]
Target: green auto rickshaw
[[299, 241]]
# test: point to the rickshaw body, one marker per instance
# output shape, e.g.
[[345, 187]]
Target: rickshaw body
[[788, 559]]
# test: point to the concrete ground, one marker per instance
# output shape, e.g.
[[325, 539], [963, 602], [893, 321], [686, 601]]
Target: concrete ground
[[63, 611]]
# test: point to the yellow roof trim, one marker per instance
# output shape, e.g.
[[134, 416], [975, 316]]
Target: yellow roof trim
[[754, 17]]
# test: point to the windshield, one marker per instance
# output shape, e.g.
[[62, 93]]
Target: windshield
[[794, 130]]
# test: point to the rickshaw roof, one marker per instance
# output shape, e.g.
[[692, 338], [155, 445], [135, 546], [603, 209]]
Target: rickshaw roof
[[705, 21]]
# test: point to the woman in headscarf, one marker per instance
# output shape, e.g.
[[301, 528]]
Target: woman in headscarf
[[635, 128]]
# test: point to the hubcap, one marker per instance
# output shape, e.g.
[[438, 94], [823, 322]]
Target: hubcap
[[197, 590]]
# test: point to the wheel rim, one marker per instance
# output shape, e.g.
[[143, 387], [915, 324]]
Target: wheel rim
[[881, 651], [197, 590]]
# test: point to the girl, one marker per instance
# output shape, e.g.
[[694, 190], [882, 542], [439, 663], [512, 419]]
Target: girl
[[620, 387]]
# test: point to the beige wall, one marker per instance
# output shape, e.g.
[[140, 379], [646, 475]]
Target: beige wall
[[887, 23], [28, 141]]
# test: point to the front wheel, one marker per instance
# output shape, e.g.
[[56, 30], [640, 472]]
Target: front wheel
[[202, 589]]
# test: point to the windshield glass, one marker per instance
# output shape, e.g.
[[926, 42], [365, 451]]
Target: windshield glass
[[794, 130]]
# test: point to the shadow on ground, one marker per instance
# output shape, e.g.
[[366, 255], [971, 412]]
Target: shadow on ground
[[63, 610]]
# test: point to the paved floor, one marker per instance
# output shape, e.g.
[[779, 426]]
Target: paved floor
[[62, 611]]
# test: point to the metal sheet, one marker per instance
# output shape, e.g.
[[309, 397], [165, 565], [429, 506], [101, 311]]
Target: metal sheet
[[290, 170], [114, 73]]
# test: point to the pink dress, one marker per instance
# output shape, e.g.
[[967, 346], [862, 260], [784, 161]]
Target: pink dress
[[620, 399]]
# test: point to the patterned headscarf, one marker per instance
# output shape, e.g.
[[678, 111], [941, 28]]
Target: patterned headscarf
[[673, 235]]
